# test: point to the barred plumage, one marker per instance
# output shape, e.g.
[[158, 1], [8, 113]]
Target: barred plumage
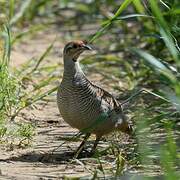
[[81, 103]]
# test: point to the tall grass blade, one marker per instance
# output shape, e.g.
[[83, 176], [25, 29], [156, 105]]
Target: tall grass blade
[[21, 12], [139, 7], [156, 64], [107, 23], [134, 15], [11, 8], [164, 30], [7, 45], [121, 8], [42, 57]]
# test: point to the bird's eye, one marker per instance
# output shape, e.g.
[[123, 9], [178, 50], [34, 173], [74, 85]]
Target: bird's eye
[[69, 48], [73, 46]]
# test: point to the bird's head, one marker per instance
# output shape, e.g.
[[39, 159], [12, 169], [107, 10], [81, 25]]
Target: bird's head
[[73, 49]]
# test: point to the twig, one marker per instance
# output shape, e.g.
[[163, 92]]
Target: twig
[[147, 91]]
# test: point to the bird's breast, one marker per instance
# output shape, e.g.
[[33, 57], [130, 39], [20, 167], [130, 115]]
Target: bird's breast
[[77, 104]]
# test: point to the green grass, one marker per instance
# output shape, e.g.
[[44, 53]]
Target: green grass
[[13, 96]]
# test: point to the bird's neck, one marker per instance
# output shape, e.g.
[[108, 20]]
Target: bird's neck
[[72, 68]]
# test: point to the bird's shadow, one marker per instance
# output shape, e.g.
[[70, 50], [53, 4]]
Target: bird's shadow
[[51, 158]]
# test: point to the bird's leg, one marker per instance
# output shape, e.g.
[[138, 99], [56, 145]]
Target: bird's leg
[[80, 148], [95, 145]]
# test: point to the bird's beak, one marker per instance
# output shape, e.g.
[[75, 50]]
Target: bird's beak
[[87, 47]]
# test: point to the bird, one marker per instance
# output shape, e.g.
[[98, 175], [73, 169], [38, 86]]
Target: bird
[[84, 105]]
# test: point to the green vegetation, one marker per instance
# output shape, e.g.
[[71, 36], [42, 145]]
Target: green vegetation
[[139, 48], [14, 97]]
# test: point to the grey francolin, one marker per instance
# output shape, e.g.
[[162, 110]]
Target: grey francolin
[[84, 105]]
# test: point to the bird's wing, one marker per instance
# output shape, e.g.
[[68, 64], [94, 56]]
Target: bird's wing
[[113, 103], [108, 98]]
